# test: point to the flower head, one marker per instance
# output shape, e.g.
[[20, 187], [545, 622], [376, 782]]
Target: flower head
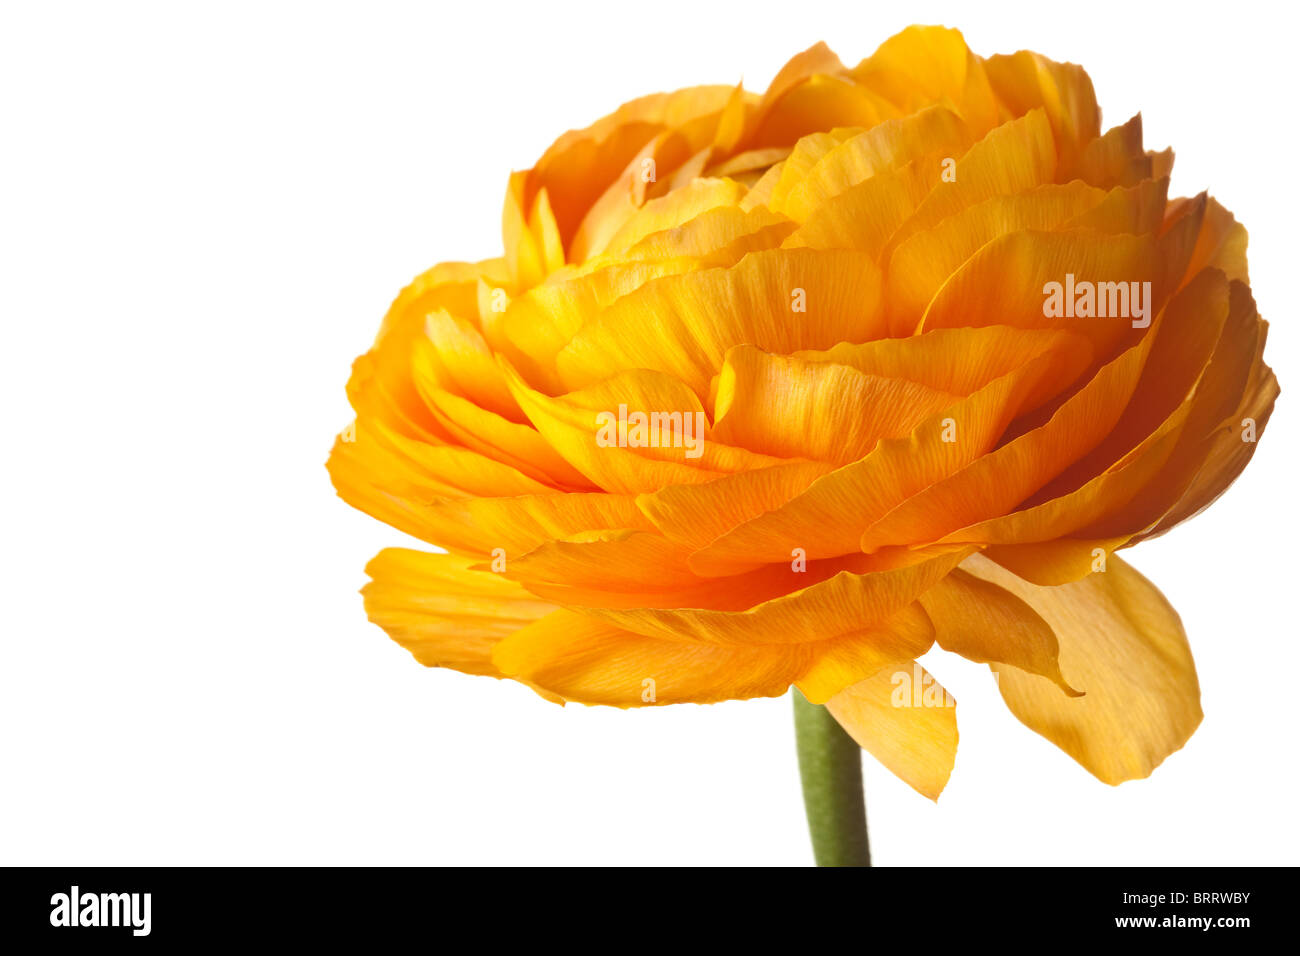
[[783, 389]]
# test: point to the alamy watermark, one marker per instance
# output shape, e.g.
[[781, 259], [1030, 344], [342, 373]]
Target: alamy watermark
[[652, 430], [1085, 300], [75, 908]]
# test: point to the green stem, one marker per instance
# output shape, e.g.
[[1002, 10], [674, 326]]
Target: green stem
[[830, 766]]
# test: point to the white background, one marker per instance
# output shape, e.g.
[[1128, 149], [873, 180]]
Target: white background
[[206, 212]]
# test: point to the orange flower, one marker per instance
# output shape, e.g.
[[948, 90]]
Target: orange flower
[[784, 389]]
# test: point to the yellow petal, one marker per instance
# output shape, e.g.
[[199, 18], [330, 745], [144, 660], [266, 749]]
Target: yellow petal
[[519, 446], [852, 658], [732, 122], [884, 147], [922, 263], [750, 161], [536, 325], [1231, 446], [837, 607], [1182, 344], [818, 103], [381, 386], [518, 524], [926, 64], [1102, 499], [791, 408], [1013, 158], [459, 360], [524, 256], [817, 59], [865, 216], [1004, 283], [780, 300], [583, 659], [995, 483], [696, 514], [632, 569], [546, 233], [842, 504], [593, 662], [985, 623], [1124, 647], [958, 361], [581, 164], [389, 477], [720, 235], [1116, 158], [678, 207], [807, 153], [625, 195], [1135, 209], [1025, 81], [443, 613], [887, 717], [673, 445], [1211, 384], [1059, 561]]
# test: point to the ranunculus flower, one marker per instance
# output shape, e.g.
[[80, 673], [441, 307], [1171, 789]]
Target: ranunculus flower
[[783, 389]]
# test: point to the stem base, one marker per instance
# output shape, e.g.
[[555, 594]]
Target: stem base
[[830, 768]]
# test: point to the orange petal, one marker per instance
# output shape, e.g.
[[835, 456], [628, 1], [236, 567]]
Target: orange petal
[[923, 263], [1115, 158], [1059, 561], [880, 149], [1005, 283], [1124, 647], [1220, 383], [696, 514], [926, 64], [1024, 81], [791, 408], [1231, 445], [839, 606], [985, 623], [583, 659], [889, 717], [779, 300], [818, 103], [632, 569], [388, 477], [675, 209], [842, 504], [1117, 409], [453, 355], [517, 525], [623, 198], [510, 443], [443, 613], [1013, 158], [593, 662], [381, 386], [1220, 244], [720, 235], [958, 361], [865, 216], [1102, 499], [852, 658], [581, 164]]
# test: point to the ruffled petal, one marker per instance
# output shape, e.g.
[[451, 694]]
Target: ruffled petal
[[1124, 647], [888, 716], [445, 614]]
